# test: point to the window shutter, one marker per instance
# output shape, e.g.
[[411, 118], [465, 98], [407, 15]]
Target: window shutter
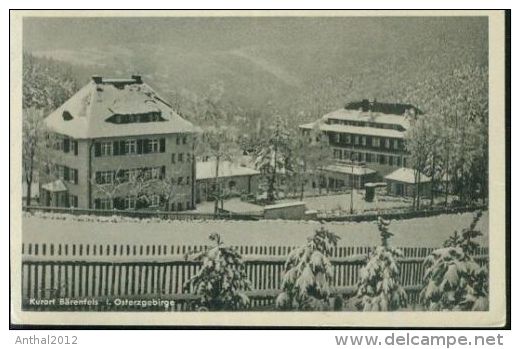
[[97, 149], [66, 145], [162, 146], [75, 177], [139, 146], [75, 148]]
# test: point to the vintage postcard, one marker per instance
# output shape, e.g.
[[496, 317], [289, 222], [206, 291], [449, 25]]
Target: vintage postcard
[[258, 168]]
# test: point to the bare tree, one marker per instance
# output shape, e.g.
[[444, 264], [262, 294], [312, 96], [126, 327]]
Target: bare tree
[[36, 144]]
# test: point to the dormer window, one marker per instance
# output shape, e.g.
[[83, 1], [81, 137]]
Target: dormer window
[[135, 118], [66, 116]]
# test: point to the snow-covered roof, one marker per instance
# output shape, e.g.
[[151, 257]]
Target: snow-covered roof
[[406, 175], [55, 186], [284, 204], [350, 169], [88, 110], [369, 116], [359, 130], [206, 170]]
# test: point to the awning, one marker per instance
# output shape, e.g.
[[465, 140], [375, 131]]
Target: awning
[[55, 187]]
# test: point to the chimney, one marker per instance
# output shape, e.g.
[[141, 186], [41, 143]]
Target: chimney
[[137, 79], [97, 79]]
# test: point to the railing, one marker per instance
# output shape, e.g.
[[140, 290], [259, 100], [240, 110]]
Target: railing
[[396, 213], [102, 274], [172, 215], [399, 213]]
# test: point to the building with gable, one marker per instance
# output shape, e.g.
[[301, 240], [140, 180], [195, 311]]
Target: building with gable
[[118, 145]]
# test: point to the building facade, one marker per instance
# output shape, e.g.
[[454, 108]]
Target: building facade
[[119, 145], [366, 140], [234, 178]]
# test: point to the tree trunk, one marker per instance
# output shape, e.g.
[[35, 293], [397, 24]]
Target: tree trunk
[[217, 187], [432, 183], [448, 179], [270, 193], [414, 194], [418, 190], [28, 198]]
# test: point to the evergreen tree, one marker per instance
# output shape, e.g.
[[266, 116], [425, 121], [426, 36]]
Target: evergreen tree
[[453, 280], [379, 287], [308, 274], [221, 281]]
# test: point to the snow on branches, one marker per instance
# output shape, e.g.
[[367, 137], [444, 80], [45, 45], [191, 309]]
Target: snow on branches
[[221, 280], [453, 280], [379, 287], [308, 274]]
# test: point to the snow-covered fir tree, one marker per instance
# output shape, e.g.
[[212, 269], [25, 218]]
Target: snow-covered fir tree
[[379, 287], [222, 280], [453, 280], [308, 274]]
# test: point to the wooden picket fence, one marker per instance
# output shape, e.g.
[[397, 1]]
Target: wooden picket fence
[[98, 275]]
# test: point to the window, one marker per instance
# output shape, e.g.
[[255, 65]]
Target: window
[[104, 204], [387, 143], [187, 205], [130, 202], [133, 174], [356, 140], [184, 140], [390, 160], [179, 180], [398, 161], [153, 146], [179, 206], [73, 175], [382, 159], [180, 157], [375, 142], [178, 140], [173, 158], [61, 172], [396, 144], [155, 173], [188, 180], [106, 148], [363, 140], [130, 146], [404, 162], [154, 200], [73, 200], [58, 143], [368, 157], [104, 177]]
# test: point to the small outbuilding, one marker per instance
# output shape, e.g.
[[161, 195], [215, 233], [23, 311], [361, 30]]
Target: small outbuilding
[[342, 176], [234, 178], [403, 182]]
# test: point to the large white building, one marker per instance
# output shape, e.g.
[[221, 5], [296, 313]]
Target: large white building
[[367, 141]]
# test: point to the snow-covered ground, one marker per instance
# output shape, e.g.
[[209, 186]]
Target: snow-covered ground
[[423, 232], [341, 202]]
